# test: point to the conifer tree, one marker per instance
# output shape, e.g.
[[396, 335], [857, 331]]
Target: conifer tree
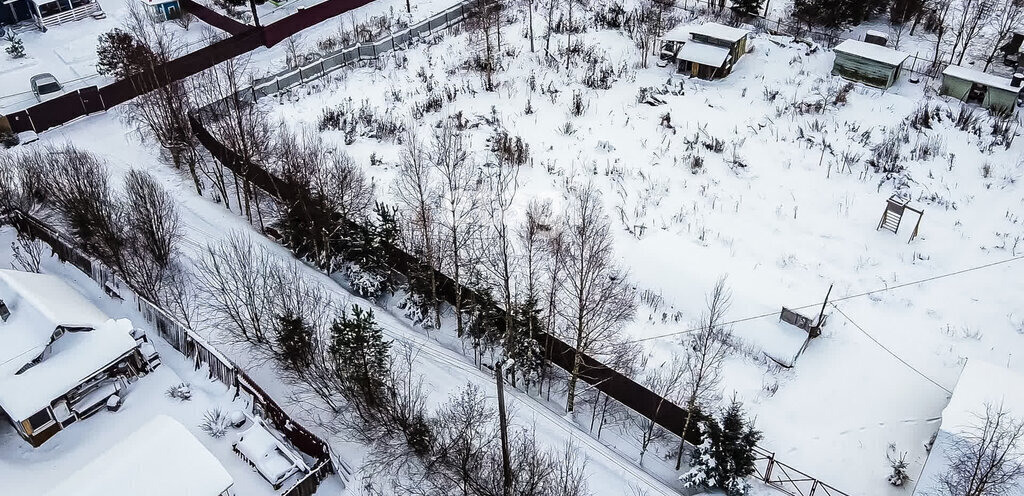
[[522, 345], [725, 456], [295, 341], [369, 269], [360, 355], [747, 7]]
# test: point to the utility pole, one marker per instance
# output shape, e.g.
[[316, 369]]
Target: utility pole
[[506, 467]]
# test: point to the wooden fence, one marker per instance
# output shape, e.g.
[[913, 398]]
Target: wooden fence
[[199, 352]]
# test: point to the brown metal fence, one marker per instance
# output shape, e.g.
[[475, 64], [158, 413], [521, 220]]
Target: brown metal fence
[[198, 351]]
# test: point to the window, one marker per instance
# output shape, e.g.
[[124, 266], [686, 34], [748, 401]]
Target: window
[[39, 420]]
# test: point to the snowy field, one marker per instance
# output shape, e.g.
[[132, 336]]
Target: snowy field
[[779, 214], [782, 201]]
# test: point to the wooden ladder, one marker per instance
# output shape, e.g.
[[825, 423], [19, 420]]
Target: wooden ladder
[[893, 214]]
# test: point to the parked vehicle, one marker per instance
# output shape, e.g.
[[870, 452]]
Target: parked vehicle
[[46, 87]]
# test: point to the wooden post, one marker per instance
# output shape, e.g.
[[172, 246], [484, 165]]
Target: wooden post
[[506, 463]]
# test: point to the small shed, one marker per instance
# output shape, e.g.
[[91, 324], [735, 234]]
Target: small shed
[[876, 38], [161, 458], [708, 51], [162, 10], [980, 383], [988, 90], [868, 63]]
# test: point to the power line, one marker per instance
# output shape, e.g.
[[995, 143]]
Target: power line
[[844, 298], [894, 355]]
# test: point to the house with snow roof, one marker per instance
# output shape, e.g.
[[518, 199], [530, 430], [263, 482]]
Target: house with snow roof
[[61, 358], [48, 13], [868, 63], [708, 51], [161, 458], [993, 92], [980, 384]]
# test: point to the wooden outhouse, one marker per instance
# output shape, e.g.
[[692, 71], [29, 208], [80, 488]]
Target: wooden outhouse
[[988, 90], [708, 51], [868, 63]]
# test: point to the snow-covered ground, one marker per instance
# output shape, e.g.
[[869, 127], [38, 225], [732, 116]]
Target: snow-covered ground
[[783, 226]]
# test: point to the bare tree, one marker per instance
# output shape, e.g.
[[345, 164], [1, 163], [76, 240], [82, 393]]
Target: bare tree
[[460, 205], [153, 231], [498, 255], [985, 459], [969, 21], [240, 282], [708, 347], [241, 124], [596, 298], [665, 380], [937, 19], [550, 20], [164, 104], [415, 187], [1008, 17], [27, 253], [486, 24]]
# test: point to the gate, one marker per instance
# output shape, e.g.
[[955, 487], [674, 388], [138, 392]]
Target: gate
[[91, 100]]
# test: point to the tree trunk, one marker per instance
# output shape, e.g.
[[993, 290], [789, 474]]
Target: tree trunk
[[690, 405]]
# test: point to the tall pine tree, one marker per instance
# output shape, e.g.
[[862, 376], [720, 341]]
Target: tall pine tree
[[369, 268]]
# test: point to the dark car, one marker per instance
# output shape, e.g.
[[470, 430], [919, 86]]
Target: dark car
[[45, 86]]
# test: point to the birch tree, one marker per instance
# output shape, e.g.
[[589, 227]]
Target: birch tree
[[708, 347], [985, 459], [415, 187], [596, 299], [459, 194]]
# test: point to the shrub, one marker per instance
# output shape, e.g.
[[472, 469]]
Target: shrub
[[215, 423], [181, 392], [510, 150]]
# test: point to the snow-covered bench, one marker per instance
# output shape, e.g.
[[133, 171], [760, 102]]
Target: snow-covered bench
[[271, 458]]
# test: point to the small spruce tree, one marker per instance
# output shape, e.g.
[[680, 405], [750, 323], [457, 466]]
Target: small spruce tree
[[725, 457], [295, 341], [15, 48], [369, 270], [360, 355]]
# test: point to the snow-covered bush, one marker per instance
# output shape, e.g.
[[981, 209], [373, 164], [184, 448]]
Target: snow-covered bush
[[898, 463], [15, 48], [181, 392], [215, 423]]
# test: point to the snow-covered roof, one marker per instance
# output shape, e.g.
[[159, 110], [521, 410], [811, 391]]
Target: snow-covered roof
[[876, 34], [720, 32], [73, 357], [976, 76], [161, 458], [871, 51], [38, 304], [980, 383], [272, 459], [703, 54], [678, 33]]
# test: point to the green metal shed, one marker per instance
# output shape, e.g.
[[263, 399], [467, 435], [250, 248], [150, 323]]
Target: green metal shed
[[868, 63], [988, 90]]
